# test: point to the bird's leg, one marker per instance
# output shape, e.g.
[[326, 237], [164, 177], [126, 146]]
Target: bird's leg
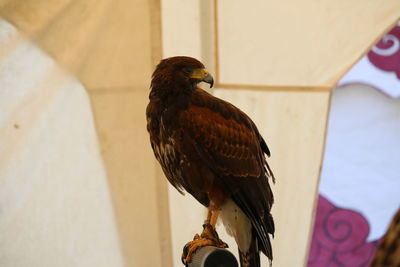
[[212, 215], [209, 236]]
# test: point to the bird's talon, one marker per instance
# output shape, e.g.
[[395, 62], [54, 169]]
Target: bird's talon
[[192, 246], [209, 237]]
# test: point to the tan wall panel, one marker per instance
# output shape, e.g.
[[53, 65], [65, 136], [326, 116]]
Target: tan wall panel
[[132, 175], [33, 15], [119, 86], [105, 43], [293, 125], [275, 42], [121, 55], [181, 34]]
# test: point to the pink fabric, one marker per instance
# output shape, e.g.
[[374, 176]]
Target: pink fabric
[[380, 68], [339, 237], [385, 55]]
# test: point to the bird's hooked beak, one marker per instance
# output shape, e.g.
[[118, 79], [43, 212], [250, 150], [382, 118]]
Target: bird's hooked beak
[[202, 75]]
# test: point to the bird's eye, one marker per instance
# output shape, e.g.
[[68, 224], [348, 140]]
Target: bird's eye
[[188, 70]]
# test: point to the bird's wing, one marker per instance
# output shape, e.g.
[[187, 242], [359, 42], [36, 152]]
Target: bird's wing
[[229, 147]]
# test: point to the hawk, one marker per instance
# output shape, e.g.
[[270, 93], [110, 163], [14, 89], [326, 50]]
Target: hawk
[[212, 150]]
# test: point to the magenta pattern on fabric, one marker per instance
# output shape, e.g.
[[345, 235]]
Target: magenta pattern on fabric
[[339, 238], [385, 55]]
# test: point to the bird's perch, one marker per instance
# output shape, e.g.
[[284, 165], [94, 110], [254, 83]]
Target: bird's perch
[[210, 256]]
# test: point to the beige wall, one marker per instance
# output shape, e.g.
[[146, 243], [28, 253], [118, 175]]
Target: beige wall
[[297, 43]]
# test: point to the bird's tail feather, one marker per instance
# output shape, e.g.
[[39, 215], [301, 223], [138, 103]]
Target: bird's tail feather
[[251, 258]]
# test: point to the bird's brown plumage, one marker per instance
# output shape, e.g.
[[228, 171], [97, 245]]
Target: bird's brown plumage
[[209, 147]]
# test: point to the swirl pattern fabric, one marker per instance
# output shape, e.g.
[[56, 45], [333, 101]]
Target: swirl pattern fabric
[[380, 68], [385, 55], [340, 237]]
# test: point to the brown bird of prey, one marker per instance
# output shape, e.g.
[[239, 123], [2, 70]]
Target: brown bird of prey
[[213, 150]]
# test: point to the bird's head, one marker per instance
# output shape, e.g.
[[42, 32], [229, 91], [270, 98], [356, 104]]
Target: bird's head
[[180, 74]]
